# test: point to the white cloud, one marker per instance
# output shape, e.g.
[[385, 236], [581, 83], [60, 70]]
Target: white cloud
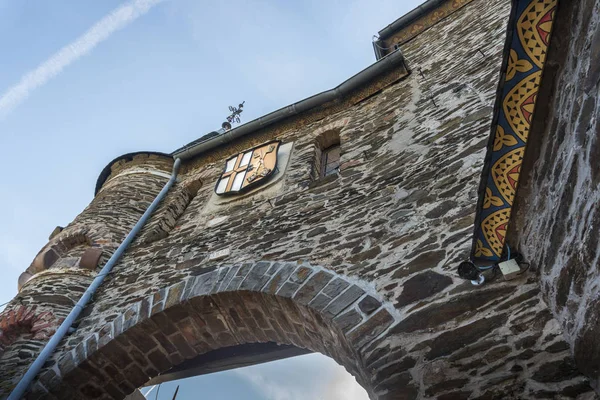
[[344, 386], [271, 388], [119, 18], [313, 377]]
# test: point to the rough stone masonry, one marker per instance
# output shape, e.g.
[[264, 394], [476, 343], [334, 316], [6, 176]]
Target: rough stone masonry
[[359, 265]]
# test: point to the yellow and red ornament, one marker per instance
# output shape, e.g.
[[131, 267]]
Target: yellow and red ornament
[[532, 28]]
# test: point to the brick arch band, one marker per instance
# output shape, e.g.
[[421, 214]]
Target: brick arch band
[[286, 303]]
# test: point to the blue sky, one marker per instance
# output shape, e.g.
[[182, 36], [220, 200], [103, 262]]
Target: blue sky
[[84, 81]]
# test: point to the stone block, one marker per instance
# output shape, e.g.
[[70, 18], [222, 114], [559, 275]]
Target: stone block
[[105, 335], [174, 294], [320, 302], [370, 329], [165, 323], [182, 346], [191, 333], [91, 344], [300, 275], [229, 272], [369, 304], [118, 355], [219, 254], [450, 341], [159, 360], [141, 338], [204, 284], [135, 376], [79, 353], [556, 371], [164, 342], [288, 289], [89, 390], [38, 391], [422, 286], [256, 277], [425, 260], [157, 307], [348, 320], [90, 258], [50, 378], [117, 325], [313, 286], [239, 276], [439, 313], [279, 278], [145, 310], [344, 300]]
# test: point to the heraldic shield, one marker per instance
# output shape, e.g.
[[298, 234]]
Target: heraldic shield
[[248, 169]]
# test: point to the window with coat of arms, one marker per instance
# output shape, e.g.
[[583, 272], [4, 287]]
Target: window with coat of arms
[[248, 169]]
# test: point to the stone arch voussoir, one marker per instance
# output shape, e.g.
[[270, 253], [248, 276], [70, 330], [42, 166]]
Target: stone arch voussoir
[[283, 302]]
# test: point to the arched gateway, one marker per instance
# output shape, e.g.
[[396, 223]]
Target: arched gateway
[[265, 302], [336, 225]]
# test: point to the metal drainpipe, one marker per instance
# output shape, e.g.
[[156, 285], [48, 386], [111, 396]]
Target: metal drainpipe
[[37, 365]]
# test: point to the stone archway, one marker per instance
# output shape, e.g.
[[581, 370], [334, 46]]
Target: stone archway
[[285, 303]]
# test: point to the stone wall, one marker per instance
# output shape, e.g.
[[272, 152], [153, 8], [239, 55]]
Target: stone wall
[[59, 274], [557, 214], [32, 317], [359, 266]]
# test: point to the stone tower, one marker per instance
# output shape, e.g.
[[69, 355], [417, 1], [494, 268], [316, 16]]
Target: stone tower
[[336, 225]]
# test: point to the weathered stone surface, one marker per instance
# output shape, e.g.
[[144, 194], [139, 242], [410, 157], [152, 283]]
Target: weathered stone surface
[[455, 396], [450, 341], [335, 287], [497, 353], [405, 388], [455, 309], [375, 325], [427, 260], [344, 300], [556, 371], [422, 286], [557, 347], [312, 287], [358, 266], [348, 320], [441, 209], [557, 232], [474, 349], [446, 385]]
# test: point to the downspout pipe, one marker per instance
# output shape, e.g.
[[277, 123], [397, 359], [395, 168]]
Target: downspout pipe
[[21, 388]]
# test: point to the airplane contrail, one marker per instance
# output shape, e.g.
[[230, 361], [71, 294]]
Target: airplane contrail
[[119, 18]]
